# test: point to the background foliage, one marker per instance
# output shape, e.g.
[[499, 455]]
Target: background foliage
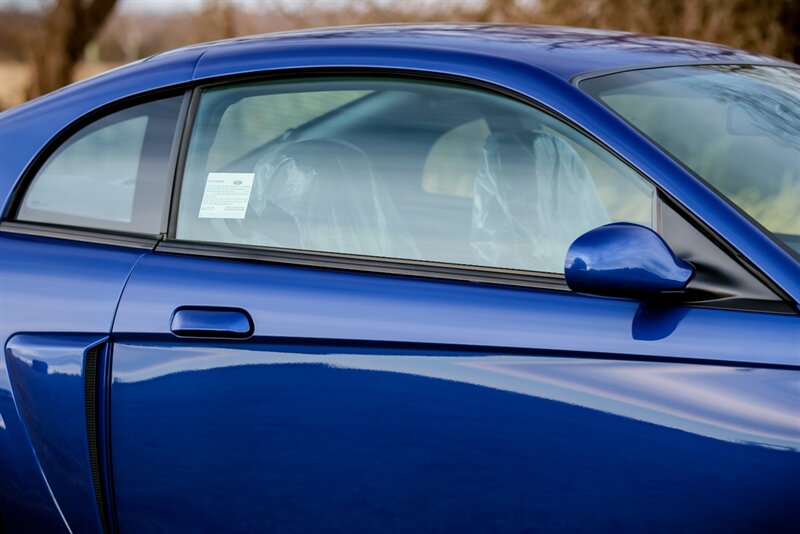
[[47, 43]]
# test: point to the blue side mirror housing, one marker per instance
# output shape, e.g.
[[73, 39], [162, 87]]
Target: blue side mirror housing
[[625, 260]]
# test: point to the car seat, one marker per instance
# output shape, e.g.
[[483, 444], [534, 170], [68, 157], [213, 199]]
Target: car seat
[[324, 195], [533, 197]]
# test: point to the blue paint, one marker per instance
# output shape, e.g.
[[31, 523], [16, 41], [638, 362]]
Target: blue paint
[[401, 403], [60, 291], [654, 321], [205, 322], [47, 374], [316, 304], [373, 402], [566, 52], [625, 260], [383, 440]]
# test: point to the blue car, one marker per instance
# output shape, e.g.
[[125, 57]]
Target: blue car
[[452, 278]]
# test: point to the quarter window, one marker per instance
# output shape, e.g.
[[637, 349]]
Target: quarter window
[[398, 169], [110, 175]]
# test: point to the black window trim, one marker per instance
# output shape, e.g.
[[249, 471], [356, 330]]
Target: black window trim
[[166, 242], [102, 237], [367, 264], [577, 79]]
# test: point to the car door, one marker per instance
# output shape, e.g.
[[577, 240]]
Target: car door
[[347, 329], [93, 206]]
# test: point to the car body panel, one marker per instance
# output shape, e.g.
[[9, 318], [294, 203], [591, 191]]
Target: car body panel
[[392, 309], [261, 437], [47, 377], [59, 321], [371, 402], [563, 52], [502, 362]]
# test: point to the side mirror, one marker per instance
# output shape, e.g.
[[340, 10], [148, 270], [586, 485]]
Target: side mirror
[[625, 260]]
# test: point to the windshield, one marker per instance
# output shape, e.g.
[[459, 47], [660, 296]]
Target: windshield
[[736, 126]]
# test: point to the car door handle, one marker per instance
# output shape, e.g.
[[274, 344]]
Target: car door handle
[[211, 322]]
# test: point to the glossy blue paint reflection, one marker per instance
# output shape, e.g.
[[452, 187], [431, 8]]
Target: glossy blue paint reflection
[[212, 322], [47, 378], [65, 292], [654, 321], [624, 260], [301, 303], [563, 51], [258, 436]]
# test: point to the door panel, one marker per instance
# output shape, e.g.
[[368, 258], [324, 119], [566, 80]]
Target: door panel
[[371, 402], [317, 304], [307, 438]]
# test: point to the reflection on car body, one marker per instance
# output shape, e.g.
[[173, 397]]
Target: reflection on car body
[[437, 277]]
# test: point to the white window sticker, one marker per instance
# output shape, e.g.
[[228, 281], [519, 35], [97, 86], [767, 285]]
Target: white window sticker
[[226, 195]]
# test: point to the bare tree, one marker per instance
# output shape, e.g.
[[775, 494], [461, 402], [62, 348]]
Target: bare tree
[[69, 26]]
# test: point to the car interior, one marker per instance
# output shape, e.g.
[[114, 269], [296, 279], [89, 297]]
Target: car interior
[[424, 174]]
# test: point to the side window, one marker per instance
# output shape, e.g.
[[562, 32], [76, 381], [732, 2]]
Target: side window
[[398, 169], [110, 175]]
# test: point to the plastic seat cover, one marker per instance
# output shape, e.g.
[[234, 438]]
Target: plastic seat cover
[[533, 197], [324, 195]]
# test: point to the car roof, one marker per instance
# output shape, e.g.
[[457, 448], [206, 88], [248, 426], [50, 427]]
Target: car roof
[[562, 51]]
